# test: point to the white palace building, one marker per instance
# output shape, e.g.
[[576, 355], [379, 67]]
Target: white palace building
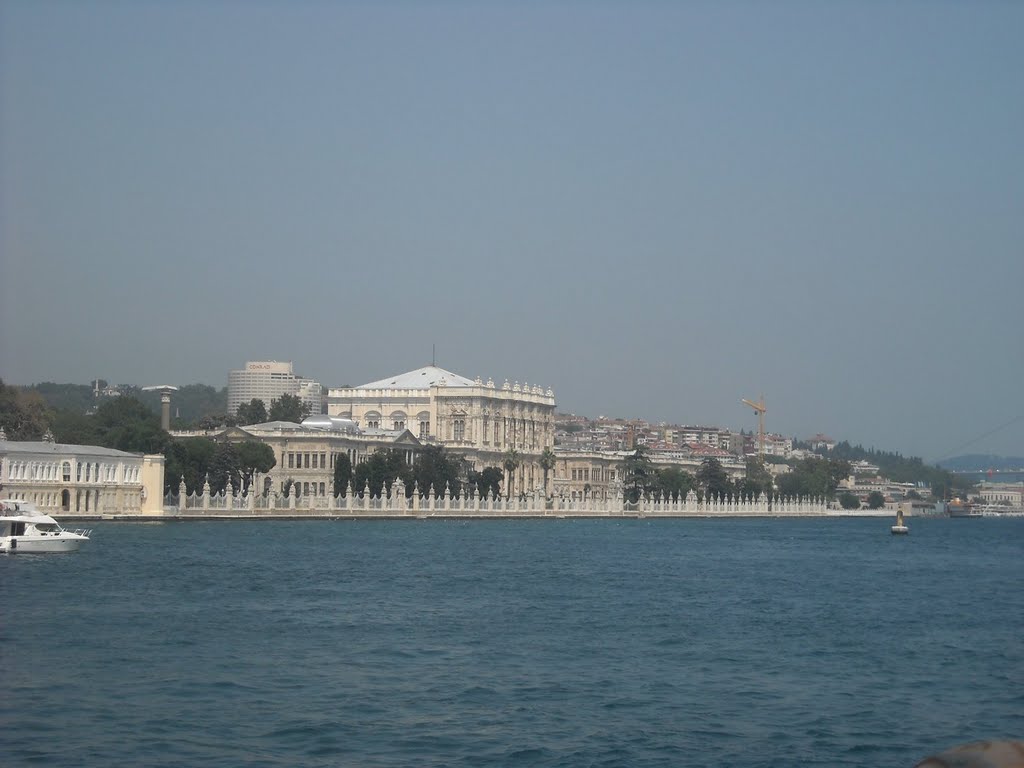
[[81, 479], [479, 420]]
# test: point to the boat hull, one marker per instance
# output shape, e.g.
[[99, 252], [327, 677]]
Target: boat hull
[[41, 544]]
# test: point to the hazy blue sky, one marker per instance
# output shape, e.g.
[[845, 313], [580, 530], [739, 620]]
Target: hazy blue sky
[[654, 208]]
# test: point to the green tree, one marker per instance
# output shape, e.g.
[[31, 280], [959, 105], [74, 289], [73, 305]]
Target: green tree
[[511, 464], [438, 469], [758, 480], [253, 412], [488, 480], [216, 421], [189, 459], [77, 398], [848, 500], [380, 470], [225, 466], [637, 474], [24, 415], [127, 424], [875, 500], [713, 479], [253, 457], [547, 463], [288, 408], [75, 428], [814, 477], [342, 473], [674, 483]]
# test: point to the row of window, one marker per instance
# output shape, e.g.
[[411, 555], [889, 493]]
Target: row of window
[[373, 422], [62, 500], [601, 475], [308, 460], [514, 431], [84, 472], [314, 460]]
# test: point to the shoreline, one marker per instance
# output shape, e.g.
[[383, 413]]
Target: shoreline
[[577, 515]]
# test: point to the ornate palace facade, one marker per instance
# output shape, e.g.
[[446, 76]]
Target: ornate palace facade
[[81, 479], [477, 419]]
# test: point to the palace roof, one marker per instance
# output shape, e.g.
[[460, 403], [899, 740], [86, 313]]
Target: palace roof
[[421, 378], [36, 447]]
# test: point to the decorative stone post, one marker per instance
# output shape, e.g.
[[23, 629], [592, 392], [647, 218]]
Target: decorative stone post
[[206, 494], [397, 494], [182, 495]]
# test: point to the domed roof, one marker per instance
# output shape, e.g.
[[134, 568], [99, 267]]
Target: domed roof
[[331, 423]]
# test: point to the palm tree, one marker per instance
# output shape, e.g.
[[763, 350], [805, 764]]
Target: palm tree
[[547, 463], [511, 464]]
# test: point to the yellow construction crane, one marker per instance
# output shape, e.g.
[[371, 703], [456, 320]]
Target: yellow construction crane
[[759, 407]]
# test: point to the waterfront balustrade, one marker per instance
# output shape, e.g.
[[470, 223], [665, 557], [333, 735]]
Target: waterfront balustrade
[[399, 504]]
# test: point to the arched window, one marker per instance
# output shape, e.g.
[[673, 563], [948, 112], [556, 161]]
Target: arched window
[[398, 420]]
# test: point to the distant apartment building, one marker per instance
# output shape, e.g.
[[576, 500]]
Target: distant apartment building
[[778, 445], [774, 445], [269, 379], [716, 437]]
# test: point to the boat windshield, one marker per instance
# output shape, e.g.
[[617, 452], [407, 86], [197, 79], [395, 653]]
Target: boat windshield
[[47, 527]]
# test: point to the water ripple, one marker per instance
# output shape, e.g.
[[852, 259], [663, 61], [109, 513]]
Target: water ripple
[[568, 643]]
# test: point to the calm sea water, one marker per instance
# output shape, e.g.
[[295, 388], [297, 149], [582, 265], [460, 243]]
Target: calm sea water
[[822, 642]]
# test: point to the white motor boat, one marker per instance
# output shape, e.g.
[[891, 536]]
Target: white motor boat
[[23, 528]]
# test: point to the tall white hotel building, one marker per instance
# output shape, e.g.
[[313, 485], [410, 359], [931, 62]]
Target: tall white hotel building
[[268, 380]]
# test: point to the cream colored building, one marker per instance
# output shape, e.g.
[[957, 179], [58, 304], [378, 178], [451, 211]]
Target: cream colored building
[[305, 453], [1003, 494], [81, 479], [598, 474], [477, 419], [586, 474]]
